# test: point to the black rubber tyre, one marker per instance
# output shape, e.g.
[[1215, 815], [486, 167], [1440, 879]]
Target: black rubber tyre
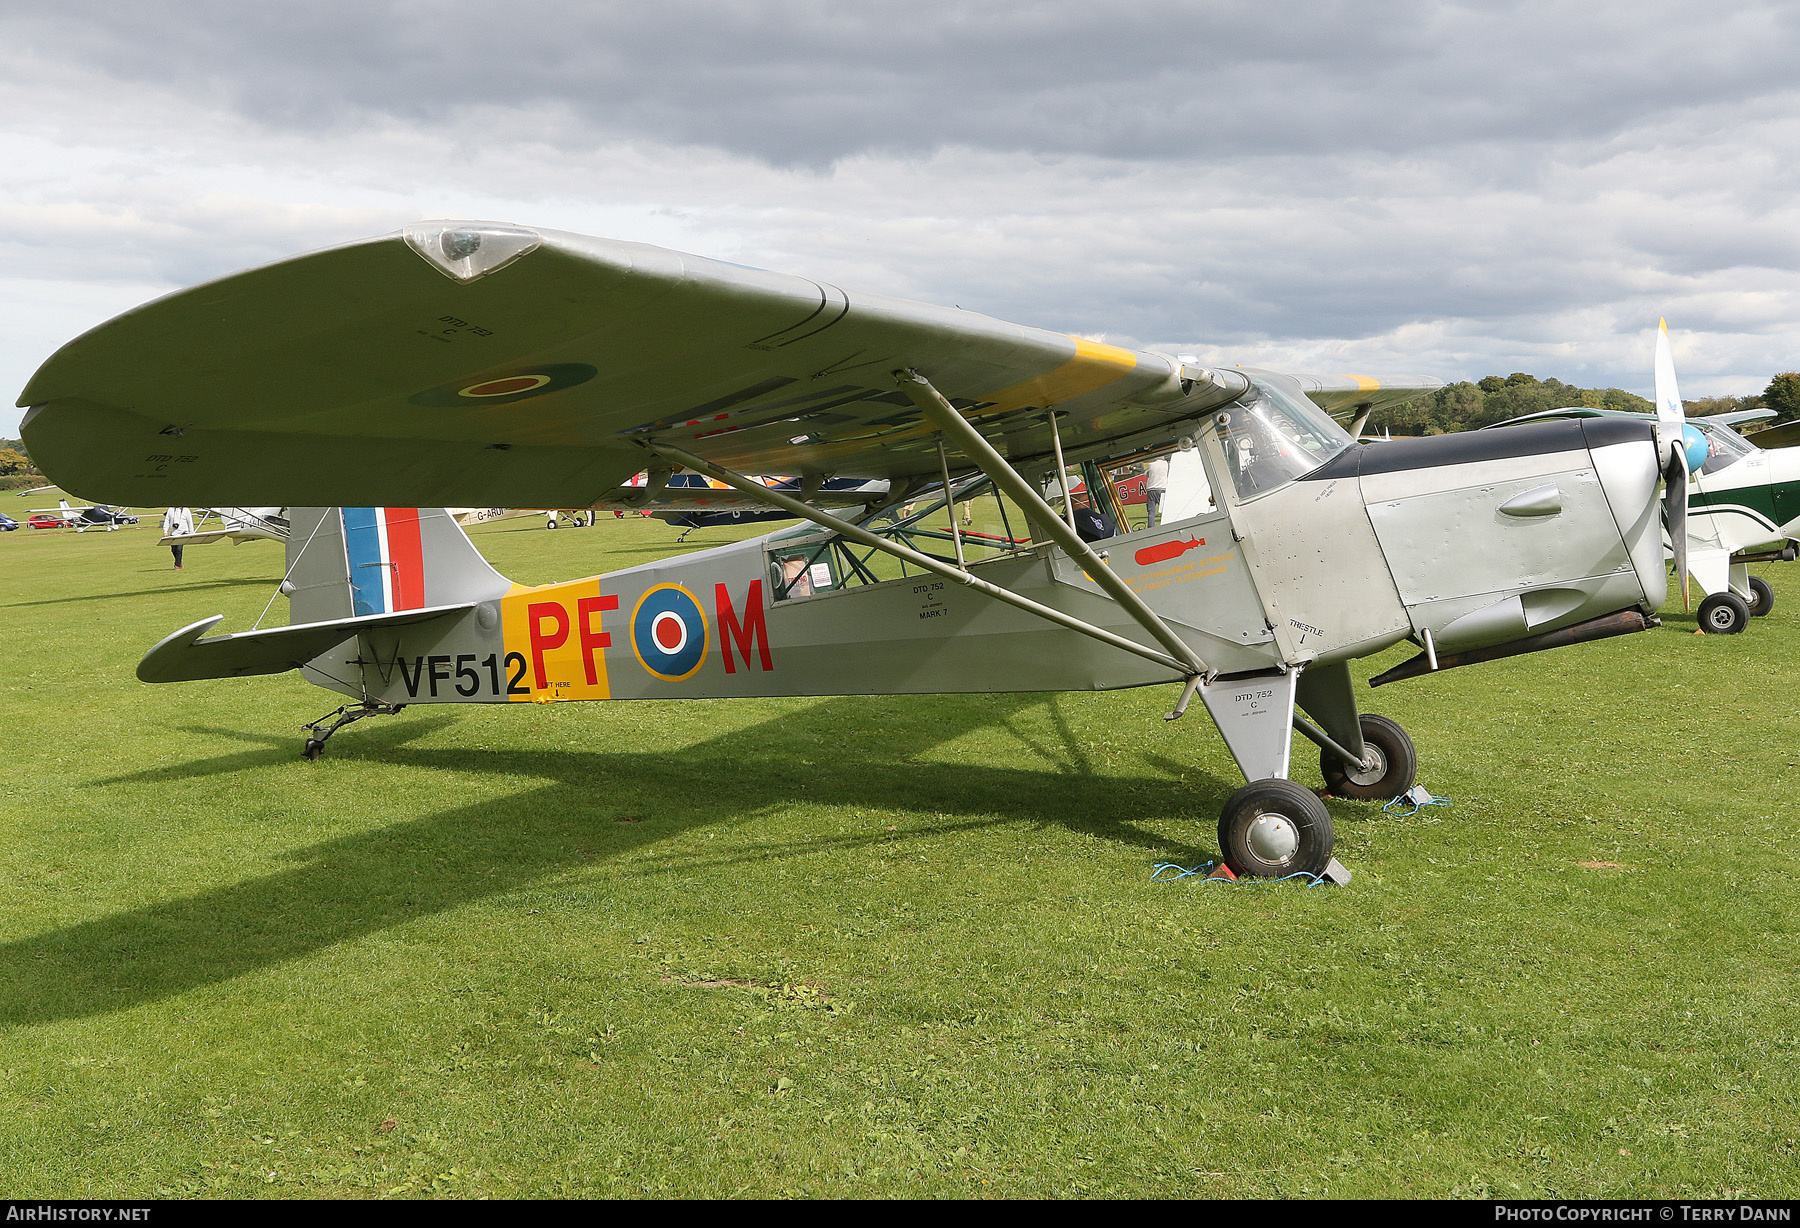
[[313, 749], [1392, 763], [1724, 614], [1273, 828], [1762, 597]]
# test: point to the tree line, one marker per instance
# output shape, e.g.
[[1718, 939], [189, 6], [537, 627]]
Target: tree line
[[16, 469], [1466, 406]]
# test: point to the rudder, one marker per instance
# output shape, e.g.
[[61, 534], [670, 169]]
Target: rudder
[[343, 562]]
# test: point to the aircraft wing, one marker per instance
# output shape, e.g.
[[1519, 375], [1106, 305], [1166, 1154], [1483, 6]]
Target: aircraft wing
[[477, 363], [1345, 397], [1738, 417], [1784, 435], [198, 539], [190, 654]]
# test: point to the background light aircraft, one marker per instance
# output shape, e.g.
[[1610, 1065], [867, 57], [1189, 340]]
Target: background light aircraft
[[235, 525], [693, 501], [249, 524], [1743, 501], [495, 363], [81, 519]]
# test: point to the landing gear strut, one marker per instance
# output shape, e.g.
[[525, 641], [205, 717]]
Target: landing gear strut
[[326, 725], [1762, 597], [1274, 828]]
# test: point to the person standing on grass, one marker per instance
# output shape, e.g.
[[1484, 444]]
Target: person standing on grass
[[1156, 481], [177, 522]]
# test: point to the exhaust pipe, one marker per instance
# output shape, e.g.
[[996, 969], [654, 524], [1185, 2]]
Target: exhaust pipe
[[1619, 622]]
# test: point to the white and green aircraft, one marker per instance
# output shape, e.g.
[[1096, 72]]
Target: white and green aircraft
[[371, 384], [1743, 500]]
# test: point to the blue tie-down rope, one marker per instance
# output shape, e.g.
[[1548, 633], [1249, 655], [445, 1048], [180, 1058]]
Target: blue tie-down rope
[[1419, 799], [1205, 869]]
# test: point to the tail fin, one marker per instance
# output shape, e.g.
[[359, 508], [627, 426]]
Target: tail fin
[[343, 562]]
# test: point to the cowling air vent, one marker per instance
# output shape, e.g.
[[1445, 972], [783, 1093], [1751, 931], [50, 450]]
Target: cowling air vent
[[468, 250]]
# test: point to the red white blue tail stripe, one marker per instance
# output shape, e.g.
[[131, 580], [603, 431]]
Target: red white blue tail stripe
[[386, 559]]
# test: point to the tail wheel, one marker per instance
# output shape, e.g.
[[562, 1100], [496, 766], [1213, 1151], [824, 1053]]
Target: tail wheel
[[1762, 597], [313, 749], [1273, 828], [1388, 767], [1724, 613]]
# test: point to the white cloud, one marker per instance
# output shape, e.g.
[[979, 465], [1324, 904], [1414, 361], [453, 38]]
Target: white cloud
[[1412, 186]]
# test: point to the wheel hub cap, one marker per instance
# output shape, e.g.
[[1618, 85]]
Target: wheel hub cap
[[1374, 767], [1273, 838]]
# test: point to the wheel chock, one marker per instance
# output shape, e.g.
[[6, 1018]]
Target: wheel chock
[[1336, 874], [1223, 871]]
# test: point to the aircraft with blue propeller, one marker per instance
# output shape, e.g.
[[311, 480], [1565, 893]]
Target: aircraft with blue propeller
[[1743, 501]]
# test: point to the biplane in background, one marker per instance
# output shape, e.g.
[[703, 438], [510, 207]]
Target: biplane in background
[[499, 364]]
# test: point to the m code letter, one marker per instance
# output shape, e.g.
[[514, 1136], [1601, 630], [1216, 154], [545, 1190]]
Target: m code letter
[[750, 631]]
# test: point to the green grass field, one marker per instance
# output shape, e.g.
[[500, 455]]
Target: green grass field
[[872, 947]]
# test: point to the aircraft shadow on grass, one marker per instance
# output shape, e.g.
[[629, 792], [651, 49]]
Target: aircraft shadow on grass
[[368, 882], [202, 587]]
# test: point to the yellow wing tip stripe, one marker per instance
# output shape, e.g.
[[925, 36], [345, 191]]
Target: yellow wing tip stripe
[[1364, 383], [1099, 351]]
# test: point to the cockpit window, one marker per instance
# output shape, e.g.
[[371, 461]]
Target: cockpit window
[[1724, 446], [1271, 437]]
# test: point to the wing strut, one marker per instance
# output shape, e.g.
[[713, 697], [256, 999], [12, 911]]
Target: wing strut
[[943, 415], [856, 533], [950, 506], [1062, 469]]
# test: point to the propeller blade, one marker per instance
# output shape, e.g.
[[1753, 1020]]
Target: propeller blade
[[1668, 396], [1672, 451], [1675, 516]]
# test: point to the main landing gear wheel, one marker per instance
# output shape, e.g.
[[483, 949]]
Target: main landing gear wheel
[[1274, 828], [1724, 614], [1388, 766], [1762, 597]]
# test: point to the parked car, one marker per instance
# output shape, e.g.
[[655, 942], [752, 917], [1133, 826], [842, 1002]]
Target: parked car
[[7, 523], [46, 520]]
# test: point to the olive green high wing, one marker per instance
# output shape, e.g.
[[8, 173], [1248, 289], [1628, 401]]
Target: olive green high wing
[[476, 363]]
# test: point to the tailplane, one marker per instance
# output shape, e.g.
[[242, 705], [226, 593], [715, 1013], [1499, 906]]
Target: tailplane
[[353, 574]]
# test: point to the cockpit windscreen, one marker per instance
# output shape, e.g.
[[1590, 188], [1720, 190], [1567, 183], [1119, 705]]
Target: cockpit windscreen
[[1271, 437]]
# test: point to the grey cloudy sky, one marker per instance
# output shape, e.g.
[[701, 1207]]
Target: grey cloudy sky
[[1401, 185]]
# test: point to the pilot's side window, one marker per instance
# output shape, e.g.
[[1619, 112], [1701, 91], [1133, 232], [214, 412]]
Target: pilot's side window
[[800, 573]]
